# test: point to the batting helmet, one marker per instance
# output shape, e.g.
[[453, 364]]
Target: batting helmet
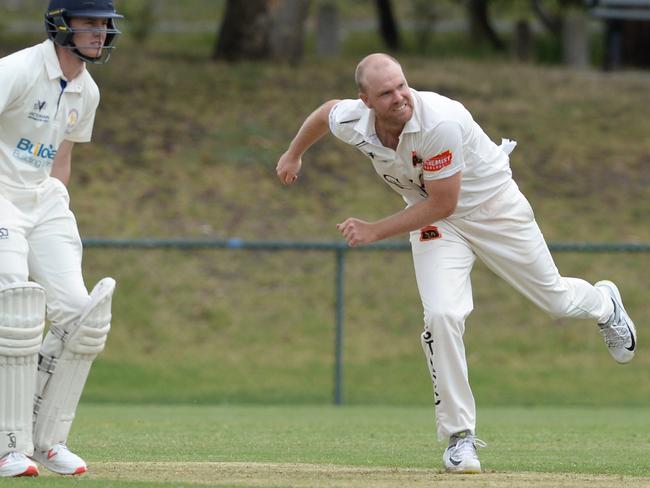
[[57, 24]]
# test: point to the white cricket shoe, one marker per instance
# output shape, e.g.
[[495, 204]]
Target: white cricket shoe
[[619, 332], [460, 456], [16, 464], [61, 460]]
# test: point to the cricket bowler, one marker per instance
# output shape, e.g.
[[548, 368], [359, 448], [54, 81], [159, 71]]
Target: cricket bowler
[[461, 204]]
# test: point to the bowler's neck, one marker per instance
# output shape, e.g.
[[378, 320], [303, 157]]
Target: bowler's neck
[[388, 134]]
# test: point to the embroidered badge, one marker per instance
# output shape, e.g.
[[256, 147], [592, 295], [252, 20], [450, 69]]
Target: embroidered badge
[[429, 233], [73, 118], [417, 160], [436, 163]]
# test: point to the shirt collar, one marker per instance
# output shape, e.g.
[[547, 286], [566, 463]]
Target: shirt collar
[[413, 124], [366, 124], [53, 67]]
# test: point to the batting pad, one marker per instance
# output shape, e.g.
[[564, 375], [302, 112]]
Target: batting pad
[[64, 365], [22, 319]]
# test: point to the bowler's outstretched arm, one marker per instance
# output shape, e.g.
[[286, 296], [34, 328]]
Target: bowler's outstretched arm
[[315, 126]]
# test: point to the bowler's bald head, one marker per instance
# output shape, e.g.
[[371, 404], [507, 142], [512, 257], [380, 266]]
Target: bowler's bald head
[[371, 64]]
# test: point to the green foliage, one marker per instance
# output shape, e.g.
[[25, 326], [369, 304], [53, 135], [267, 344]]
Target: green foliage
[[140, 18], [548, 50]]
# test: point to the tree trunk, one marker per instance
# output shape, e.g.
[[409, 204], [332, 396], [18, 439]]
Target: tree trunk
[[262, 29], [244, 32], [575, 39], [388, 25], [288, 29], [523, 41], [480, 25], [327, 30]]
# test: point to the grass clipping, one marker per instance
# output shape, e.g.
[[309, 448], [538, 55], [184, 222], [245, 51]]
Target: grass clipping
[[317, 475]]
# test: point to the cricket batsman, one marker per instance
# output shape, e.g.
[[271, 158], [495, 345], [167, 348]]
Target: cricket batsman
[[461, 204], [47, 104]]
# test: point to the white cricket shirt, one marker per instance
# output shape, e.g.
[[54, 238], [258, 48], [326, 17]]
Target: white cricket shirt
[[38, 111], [440, 139]]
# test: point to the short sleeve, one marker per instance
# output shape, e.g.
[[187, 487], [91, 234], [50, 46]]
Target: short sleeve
[[442, 151], [82, 127], [9, 86], [343, 117]]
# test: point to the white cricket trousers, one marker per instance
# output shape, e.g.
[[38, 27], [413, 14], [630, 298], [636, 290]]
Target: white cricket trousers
[[39, 239], [502, 232]]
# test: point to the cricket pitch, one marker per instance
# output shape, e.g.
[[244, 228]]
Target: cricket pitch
[[332, 476]]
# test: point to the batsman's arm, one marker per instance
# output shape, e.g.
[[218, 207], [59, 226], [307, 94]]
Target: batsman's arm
[[62, 165], [315, 126]]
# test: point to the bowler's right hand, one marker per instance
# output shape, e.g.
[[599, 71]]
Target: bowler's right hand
[[288, 168]]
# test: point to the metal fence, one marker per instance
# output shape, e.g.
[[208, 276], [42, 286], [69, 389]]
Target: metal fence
[[340, 250]]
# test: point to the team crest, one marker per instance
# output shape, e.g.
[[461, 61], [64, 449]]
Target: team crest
[[417, 160], [73, 118]]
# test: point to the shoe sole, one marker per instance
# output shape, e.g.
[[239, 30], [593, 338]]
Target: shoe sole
[[30, 472], [476, 469], [76, 472], [464, 471], [614, 289]]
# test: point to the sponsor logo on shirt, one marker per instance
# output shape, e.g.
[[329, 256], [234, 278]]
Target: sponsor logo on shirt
[[436, 163], [37, 155], [4, 233], [36, 114], [410, 186]]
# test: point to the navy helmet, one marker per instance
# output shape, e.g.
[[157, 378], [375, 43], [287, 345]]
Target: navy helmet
[[57, 24]]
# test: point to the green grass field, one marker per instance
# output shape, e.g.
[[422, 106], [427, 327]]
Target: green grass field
[[361, 446]]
